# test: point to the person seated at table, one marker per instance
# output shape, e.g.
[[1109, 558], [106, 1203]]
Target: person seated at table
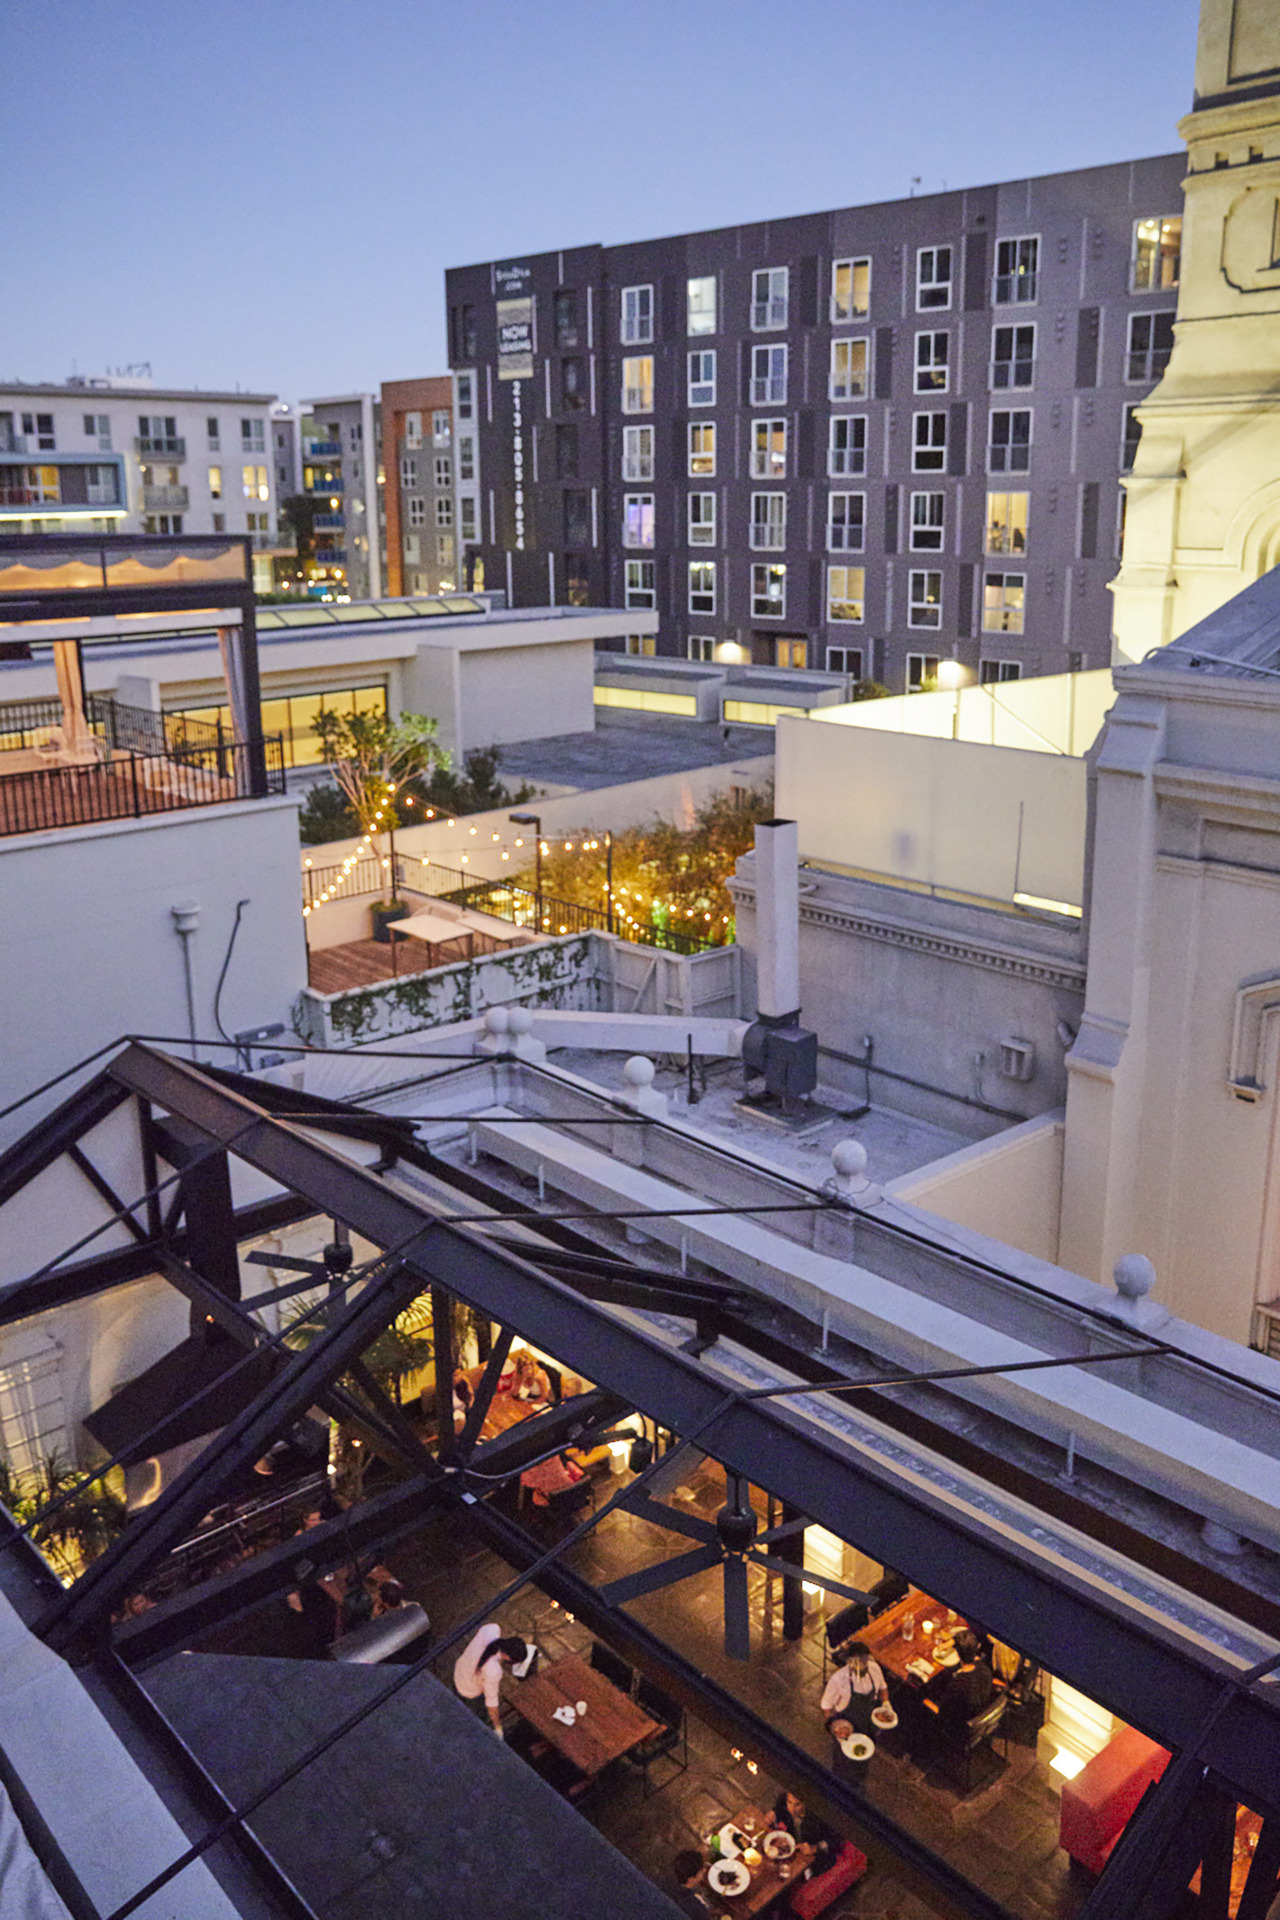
[[478, 1670], [806, 1829], [687, 1870], [965, 1690], [855, 1688], [463, 1396], [531, 1381]]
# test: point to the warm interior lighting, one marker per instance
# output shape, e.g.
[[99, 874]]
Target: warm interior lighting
[[1067, 1764], [1048, 906]]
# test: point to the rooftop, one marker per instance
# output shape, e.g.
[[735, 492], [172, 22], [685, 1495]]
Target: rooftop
[[631, 747]]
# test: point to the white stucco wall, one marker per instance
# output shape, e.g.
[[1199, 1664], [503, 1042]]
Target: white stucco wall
[[1009, 1188]]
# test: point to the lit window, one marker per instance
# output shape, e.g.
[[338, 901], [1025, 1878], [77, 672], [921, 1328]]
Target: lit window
[[702, 304], [643, 646], [1157, 253], [1013, 356], [637, 453], [922, 671], [1003, 602], [768, 449], [932, 358], [1009, 450], [768, 520], [924, 600], [441, 427], [702, 377], [847, 447], [768, 376], [639, 583], [927, 520], [769, 300], [929, 443], [848, 369], [637, 316], [768, 590], [637, 520], [253, 482], [846, 518], [702, 519], [702, 447], [1007, 522], [1017, 262], [637, 384], [850, 290], [1150, 344], [702, 586], [215, 483], [933, 278], [847, 594]]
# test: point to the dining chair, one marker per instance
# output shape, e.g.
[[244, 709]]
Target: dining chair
[[672, 1735], [605, 1661]]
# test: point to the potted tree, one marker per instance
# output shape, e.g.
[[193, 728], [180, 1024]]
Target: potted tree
[[372, 757]]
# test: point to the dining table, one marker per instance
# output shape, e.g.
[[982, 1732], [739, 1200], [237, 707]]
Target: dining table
[[902, 1639], [769, 1878], [612, 1725]]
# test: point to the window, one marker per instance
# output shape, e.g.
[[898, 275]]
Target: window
[[566, 453], [847, 594], [922, 671], [162, 523], [846, 520], [97, 427], [768, 376], [702, 304], [1013, 356], [637, 453], [577, 519], [39, 427], [1010, 447], [1157, 253], [637, 316], [564, 318], [991, 672], [637, 521], [1132, 435], [444, 553], [850, 290], [845, 660], [100, 486], [924, 600], [215, 483], [928, 512], [639, 583], [443, 471], [1150, 344], [637, 384], [642, 645], [219, 522], [791, 653], [769, 298], [847, 448], [416, 510], [408, 471], [848, 369], [768, 520], [467, 453], [932, 357], [933, 278], [702, 646], [467, 510], [929, 443], [465, 389], [444, 509], [768, 590], [253, 436], [253, 481], [573, 385], [1016, 271], [157, 432], [702, 586], [1003, 602], [702, 519], [768, 449], [213, 434], [413, 429], [702, 378], [441, 427], [1007, 522], [702, 447]]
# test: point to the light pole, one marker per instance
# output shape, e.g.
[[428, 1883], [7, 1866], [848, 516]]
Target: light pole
[[533, 820], [952, 674], [608, 877]]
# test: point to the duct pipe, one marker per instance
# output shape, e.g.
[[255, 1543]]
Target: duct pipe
[[777, 861], [186, 918]]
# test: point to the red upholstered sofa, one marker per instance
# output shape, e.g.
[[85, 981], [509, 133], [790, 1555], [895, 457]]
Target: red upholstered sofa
[[1098, 1804], [815, 1896]]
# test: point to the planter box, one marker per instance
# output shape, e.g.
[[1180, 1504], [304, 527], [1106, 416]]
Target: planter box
[[385, 917]]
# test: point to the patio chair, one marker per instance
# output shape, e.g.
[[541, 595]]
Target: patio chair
[[614, 1668], [673, 1735], [961, 1742]]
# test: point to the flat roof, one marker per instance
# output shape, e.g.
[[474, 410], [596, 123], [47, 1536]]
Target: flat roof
[[102, 390]]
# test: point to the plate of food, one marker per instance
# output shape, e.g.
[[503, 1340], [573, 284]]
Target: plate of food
[[951, 1659], [778, 1845], [728, 1877], [859, 1746], [884, 1717]]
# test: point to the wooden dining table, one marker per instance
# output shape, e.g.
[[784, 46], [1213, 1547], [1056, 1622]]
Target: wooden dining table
[[612, 1725], [894, 1652], [767, 1879]]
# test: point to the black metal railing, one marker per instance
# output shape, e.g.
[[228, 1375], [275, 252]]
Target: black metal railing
[[32, 723], [125, 782]]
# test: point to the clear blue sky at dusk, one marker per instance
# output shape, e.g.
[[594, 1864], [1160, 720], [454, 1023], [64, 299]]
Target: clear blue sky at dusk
[[267, 192]]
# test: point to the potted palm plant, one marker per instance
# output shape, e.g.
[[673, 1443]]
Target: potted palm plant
[[372, 757]]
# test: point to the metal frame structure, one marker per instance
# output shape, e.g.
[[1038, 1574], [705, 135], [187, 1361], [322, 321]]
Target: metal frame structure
[[1221, 1719]]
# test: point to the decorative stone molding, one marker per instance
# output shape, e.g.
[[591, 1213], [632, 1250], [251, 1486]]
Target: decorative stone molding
[[1257, 1001]]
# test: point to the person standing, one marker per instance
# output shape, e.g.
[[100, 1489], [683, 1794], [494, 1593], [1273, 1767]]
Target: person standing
[[855, 1688], [478, 1670]]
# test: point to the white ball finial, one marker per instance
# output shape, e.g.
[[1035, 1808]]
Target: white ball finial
[[639, 1071], [495, 1020], [849, 1158], [519, 1020], [1134, 1276]]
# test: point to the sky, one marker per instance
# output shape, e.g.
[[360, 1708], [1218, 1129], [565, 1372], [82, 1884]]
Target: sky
[[266, 193]]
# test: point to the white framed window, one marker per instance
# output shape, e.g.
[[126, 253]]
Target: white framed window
[[640, 590], [444, 555], [922, 671], [214, 436], [846, 660], [791, 653], [928, 517], [637, 453], [643, 646], [768, 376], [848, 369], [416, 510], [253, 483], [701, 304], [1013, 356], [215, 483], [991, 672], [637, 316], [466, 456], [466, 396], [97, 426], [1006, 526], [929, 443], [933, 355], [768, 590], [846, 522], [924, 600], [702, 519], [408, 471], [253, 436], [1150, 344], [768, 449], [1009, 446], [1017, 271], [1004, 597], [847, 594], [443, 471], [702, 448], [637, 519], [850, 290], [637, 383], [847, 446], [702, 586], [444, 509], [702, 377], [101, 486], [441, 427], [702, 646], [1157, 253], [769, 298], [768, 521], [467, 512], [933, 279], [413, 430]]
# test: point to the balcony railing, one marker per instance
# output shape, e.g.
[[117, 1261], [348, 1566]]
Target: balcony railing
[[151, 448], [23, 497], [329, 522], [330, 556], [322, 449], [767, 315], [325, 486], [166, 499]]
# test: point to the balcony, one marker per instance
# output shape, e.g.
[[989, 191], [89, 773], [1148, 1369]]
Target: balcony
[[330, 556], [149, 448], [318, 485], [13, 442], [165, 499], [329, 522], [23, 497], [321, 449]]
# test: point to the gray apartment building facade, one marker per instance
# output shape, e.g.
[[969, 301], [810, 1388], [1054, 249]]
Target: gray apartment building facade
[[867, 439]]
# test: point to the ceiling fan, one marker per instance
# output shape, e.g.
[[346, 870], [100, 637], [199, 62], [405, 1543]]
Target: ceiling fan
[[730, 1540], [332, 1267]]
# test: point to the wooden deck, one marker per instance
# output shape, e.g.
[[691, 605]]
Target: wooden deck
[[365, 963]]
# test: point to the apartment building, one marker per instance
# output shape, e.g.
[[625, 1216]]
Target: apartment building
[[108, 457], [418, 465], [866, 439], [341, 473]]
